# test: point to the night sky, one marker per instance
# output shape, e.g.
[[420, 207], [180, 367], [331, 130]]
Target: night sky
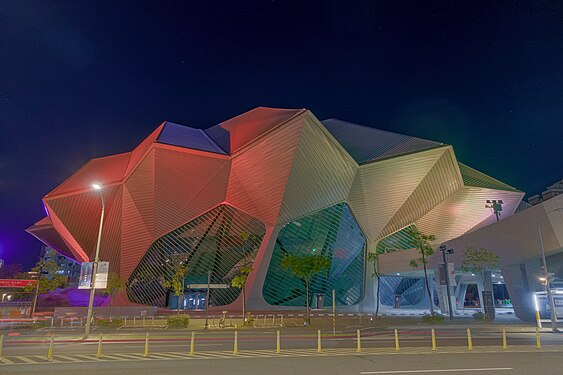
[[87, 79]]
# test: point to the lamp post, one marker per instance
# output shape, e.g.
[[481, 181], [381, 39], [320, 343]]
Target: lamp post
[[547, 276], [495, 205], [87, 327]]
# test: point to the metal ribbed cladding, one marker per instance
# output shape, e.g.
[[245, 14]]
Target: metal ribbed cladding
[[259, 174], [185, 186], [440, 182], [397, 241], [80, 214], [142, 149], [463, 210], [332, 232], [46, 233], [137, 214], [222, 240], [104, 171], [472, 177], [381, 188], [321, 174]]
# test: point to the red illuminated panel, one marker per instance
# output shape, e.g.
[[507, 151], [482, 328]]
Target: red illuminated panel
[[15, 283]]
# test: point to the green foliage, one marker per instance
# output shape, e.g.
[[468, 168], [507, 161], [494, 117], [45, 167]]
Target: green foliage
[[115, 285], [111, 323], [433, 318], [178, 321], [46, 284], [177, 282], [240, 279], [479, 315], [421, 242], [305, 266], [479, 260], [249, 320]]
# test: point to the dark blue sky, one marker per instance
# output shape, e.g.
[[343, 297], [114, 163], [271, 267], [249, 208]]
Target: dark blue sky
[[85, 79]]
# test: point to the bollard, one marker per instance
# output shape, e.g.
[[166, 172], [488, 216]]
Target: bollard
[[504, 339], [281, 324], [192, 344], [538, 340], [397, 347], [52, 321], [99, 354], [62, 321], [278, 343], [319, 347], [50, 351], [359, 349], [469, 340], [146, 345], [433, 339], [125, 321], [235, 348], [273, 320], [2, 344], [265, 316]]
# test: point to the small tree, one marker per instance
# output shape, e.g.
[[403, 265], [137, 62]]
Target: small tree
[[115, 285], [304, 267], [177, 283], [47, 279], [479, 261], [374, 259], [421, 242], [239, 281]]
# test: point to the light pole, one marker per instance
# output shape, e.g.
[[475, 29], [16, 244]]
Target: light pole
[[98, 188], [495, 205], [445, 250], [547, 276]]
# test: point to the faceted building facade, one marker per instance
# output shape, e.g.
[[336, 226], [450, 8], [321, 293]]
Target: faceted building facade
[[254, 188]]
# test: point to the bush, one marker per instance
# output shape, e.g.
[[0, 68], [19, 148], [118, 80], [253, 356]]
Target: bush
[[479, 316], [435, 318], [113, 323], [249, 321], [178, 321]]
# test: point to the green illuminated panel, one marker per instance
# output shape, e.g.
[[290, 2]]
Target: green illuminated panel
[[222, 240], [332, 232]]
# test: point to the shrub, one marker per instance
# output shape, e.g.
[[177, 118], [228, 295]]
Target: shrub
[[435, 318], [249, 321], [178, 321], [479, 316], [113, 323]]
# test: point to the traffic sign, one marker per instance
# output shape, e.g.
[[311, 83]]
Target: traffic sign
[[211, 286]]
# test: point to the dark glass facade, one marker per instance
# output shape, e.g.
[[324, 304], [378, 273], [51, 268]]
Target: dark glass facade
[[332, 232], [221, 241]]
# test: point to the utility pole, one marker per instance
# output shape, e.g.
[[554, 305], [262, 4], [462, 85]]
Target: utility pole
[[444, 249], [207, 300]]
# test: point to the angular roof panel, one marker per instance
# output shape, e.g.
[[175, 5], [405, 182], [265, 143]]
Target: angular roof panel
[[472, 177], [184, 136], [367, 144], [235, 133]]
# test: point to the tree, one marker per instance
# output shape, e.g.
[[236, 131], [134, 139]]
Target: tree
[[239, 281], [479, 261], [47, 279], [177, 283], [421, 242], [304, 267], [115, 285], [374, 259]]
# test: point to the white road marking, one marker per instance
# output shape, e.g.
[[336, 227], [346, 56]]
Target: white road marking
[[440, 370]]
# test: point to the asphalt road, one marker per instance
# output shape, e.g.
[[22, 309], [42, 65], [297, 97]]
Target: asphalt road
[[534, 362], [179, 341]]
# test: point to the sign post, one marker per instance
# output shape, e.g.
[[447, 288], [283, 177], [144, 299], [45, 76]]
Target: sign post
[[447, 274]]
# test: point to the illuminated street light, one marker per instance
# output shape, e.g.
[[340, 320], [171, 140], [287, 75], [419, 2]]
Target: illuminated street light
[[98, 188], [495, 205]]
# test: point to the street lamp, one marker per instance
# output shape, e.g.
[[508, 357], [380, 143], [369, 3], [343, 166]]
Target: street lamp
[[495, 205], [547, 275], [98, 188]]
